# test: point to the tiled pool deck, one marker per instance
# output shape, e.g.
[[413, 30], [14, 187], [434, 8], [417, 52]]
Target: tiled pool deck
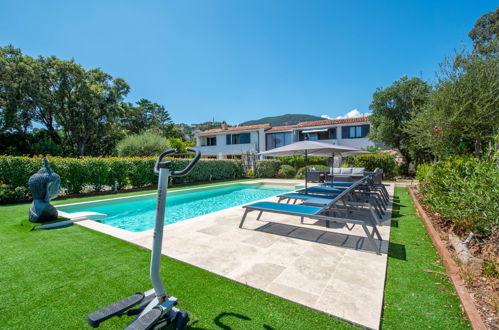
[[327, 269]]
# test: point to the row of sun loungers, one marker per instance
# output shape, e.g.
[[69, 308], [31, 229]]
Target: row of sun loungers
[[362, 203]]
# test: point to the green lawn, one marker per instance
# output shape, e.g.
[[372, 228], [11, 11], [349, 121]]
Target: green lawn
[[417, 293], [53, 279]]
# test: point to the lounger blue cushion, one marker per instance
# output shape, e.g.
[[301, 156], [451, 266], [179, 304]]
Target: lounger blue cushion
[[291, 208], [319, 202], [305, 196], [321, 189], [338, 183]]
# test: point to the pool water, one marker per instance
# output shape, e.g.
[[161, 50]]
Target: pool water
[[137, 213]]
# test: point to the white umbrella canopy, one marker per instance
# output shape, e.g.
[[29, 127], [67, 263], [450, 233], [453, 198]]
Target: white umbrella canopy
[[314, 148]]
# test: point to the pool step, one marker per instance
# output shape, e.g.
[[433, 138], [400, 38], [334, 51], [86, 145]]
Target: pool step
[[116, 308]]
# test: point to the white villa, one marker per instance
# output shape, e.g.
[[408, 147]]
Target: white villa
[[236, 142]]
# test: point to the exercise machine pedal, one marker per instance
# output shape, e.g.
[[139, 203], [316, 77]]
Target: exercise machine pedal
[[116, 308], [147, 321]]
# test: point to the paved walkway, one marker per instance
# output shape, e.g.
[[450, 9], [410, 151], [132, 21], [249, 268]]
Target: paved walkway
[[328, 269]]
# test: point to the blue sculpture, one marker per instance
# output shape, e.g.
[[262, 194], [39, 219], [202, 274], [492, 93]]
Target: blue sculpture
[[44, 186]]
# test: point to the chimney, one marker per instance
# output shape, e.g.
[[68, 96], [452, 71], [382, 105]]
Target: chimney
[[224, 125]]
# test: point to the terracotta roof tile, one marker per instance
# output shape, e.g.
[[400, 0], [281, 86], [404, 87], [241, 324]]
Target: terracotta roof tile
[[332, 121], [268, 128], [281, 128], [234, 129]]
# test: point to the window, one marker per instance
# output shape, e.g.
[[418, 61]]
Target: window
[[324, 135], [313, 137], [276, 140], [211, 141], [354, 132], [242, 138], [332, 133]]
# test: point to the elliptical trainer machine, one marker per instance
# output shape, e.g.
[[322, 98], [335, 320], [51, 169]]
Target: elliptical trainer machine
[[155, 308]]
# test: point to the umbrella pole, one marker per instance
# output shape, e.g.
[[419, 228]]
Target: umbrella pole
[[306, 172], [332, 170]]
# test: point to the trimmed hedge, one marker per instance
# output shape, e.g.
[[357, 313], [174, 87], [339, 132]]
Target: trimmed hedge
[[464, 191], [267, 168], [372, 161], [96, 174]]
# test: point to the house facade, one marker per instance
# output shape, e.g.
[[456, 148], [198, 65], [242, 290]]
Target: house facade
[[241, 141]]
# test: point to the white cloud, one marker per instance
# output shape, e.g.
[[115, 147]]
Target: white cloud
[[351, 114]]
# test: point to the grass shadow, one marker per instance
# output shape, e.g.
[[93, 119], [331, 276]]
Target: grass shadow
[[397, 251], [221, 325]]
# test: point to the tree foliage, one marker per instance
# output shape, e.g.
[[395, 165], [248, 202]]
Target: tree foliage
[[459, 115], [393, 107], [146, 116], [81, 110], [143, 145], [464, 107], [484, 34]]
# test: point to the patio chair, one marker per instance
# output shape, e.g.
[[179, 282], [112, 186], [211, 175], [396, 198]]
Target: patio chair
[[359, 198], [378, 191], [338, 209], [373, 186]]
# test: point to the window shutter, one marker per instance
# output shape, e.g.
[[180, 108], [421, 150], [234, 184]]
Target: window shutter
[[365, 130], [245, 138], [228, 139], [344, 132], [332, 133]]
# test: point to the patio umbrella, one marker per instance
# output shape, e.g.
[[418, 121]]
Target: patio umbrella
[[315, 148]]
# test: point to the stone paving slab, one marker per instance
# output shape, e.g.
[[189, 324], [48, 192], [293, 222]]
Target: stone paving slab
[[332, 270]]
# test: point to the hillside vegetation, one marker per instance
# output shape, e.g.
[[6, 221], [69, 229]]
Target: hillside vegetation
[[288, 119]]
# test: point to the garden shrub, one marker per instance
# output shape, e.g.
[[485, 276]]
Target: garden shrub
[[321, 168], [142, 145], [298, 161], [464, 191], [267, 168], [372, 161], [97, 174], [286, 171]]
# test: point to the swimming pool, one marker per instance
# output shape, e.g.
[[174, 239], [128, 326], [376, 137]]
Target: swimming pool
[[137, 213]]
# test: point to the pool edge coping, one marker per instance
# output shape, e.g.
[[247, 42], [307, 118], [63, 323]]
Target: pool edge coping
[[126, 235], [176, 190]]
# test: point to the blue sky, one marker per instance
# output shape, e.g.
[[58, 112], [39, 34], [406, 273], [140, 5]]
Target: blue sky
[[238, 60]]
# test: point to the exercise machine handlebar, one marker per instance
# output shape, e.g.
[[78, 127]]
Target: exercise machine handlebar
[[160, 164]]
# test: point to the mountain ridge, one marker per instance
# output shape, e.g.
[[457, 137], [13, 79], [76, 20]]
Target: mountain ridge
[[282, 120]]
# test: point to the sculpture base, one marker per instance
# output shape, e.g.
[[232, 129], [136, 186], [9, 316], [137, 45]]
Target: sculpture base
[[41, 211]]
